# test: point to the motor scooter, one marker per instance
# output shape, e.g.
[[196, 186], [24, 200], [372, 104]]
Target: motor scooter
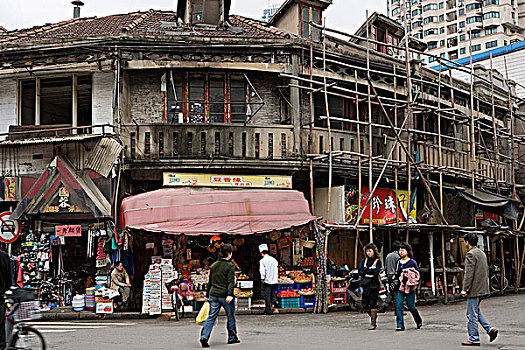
[[355, 292]]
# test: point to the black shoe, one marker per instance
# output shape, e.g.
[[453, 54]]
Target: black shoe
[[236, 341], [204, 343], [419, 325], [493, 334], [400, 329]]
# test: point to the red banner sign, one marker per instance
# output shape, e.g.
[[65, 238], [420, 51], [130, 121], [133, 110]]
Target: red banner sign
[[68, 231], [383, 204]]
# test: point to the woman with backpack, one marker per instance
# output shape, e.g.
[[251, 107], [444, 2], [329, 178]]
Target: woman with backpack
[[408, 277], [369, 271]]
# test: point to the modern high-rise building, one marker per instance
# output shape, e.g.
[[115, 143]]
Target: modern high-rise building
[[453, 29], [272, 8]]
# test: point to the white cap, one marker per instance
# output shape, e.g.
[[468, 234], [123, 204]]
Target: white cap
[[263, 247]]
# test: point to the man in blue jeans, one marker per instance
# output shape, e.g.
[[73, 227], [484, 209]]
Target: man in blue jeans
[[220, 294], [475, 287]]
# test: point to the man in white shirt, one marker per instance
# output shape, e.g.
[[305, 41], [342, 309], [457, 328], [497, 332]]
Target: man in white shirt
[[269, 268]]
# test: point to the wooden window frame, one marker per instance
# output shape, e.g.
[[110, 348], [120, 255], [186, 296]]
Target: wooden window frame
[[302, 21]]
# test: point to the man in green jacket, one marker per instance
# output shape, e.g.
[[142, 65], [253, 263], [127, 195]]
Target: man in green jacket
[[220, 293], [475, 287]]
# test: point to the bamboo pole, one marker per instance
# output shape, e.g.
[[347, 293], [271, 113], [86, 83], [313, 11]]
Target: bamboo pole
[[409, 143], [443, 257], [502, 265], [495, 129], [370, 143], [472, 138], [396, 154], [512, 170], [310, 128]]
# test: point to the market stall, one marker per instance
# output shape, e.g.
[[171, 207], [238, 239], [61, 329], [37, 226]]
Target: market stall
[[186, 226]]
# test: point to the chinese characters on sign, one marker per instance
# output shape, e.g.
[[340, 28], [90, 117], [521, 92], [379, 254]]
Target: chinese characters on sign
[[383, 204], [61, 204], [68, 231], [253, 181]]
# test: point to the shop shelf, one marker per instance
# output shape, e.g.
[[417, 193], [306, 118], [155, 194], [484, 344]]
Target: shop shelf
[[338, 286], [290, 303], [305, 285], [307, 300], [338, 298], [284, 286], [243, 303]]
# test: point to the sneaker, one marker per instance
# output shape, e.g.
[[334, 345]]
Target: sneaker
[[493, 334], [400, 329], [236, 341], [469, 343], [204, 343]]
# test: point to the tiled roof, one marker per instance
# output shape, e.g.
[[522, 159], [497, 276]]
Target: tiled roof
[[140, 23]]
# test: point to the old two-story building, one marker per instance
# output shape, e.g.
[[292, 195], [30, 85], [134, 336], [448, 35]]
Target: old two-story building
[[148, 121]]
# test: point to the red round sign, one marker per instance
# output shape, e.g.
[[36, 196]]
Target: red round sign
[[9, 229]]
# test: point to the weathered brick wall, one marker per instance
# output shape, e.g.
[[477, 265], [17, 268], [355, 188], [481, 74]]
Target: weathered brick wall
[[7, 104], [145, 96], [272, 112]]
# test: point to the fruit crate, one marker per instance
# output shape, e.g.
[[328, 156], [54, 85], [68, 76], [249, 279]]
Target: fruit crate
[[307, 300], [338, 298], [305, 285], [243, 303], [338, 286], [284, 286], [290, 303]]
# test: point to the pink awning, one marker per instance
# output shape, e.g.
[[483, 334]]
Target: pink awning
[[195, 211]]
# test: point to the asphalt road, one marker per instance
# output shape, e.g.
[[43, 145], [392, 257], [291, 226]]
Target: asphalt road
[[444, 328]]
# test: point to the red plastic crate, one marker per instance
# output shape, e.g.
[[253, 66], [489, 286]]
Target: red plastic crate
[[338, 286], [338, 298]]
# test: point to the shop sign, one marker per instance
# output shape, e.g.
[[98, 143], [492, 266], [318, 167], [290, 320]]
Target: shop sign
[[10, 188], [68, 231], [61, 204], [284, 242], [9, 229], [384, 208], [237, 181]]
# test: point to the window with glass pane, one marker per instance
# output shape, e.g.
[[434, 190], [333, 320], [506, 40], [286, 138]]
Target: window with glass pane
[[216, 99], [336, 111], [56, 103], [315, 18], [196, 99], [84, 100], [238, 100], [28, 101], [175, 97]]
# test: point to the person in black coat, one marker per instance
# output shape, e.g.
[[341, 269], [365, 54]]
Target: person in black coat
[[5, 283], [369, 270]]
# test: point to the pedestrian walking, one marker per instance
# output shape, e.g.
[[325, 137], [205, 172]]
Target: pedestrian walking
[[391, 261], [475, 288], [408, 275], [5, 283], [269, 269], [369, 271], [220, 293]]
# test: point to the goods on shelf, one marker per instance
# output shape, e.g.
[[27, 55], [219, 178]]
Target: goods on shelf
[[309, 261], [288, 294], [308, 291], [243, 276], [243, 294], [285, 280], [303, 279]]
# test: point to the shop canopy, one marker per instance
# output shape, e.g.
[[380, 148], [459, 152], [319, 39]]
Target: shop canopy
[[195, 211]]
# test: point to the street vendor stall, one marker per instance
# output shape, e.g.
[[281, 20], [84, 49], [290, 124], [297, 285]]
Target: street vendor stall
[[188, 225]]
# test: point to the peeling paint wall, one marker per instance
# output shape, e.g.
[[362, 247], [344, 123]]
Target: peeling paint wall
[[7, 104]]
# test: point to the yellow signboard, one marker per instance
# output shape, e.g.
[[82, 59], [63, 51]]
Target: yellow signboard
[[232, 181]]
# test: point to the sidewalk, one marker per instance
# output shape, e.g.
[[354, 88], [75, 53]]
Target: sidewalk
[[67, 314]]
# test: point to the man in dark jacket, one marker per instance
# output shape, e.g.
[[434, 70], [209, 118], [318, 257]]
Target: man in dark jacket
[[475, 287], [5, 283], [219, 293]]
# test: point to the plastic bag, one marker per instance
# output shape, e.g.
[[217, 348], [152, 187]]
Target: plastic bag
[[203, 314]]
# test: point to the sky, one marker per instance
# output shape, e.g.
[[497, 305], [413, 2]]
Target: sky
[[346, 15]]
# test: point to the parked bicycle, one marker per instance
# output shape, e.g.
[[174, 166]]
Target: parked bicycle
[[177, 300], [495, 277], [21, 307]]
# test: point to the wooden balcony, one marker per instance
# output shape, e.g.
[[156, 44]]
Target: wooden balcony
[[156, 145]]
